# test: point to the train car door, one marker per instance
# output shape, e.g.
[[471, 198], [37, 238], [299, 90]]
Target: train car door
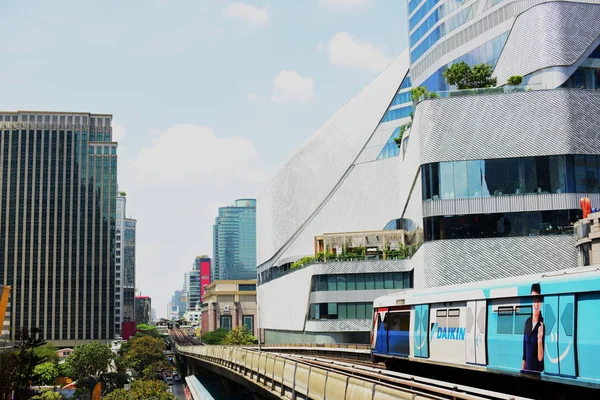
[[559, 324], [480, 336], [470, 334], [421, 331], [475, 332]]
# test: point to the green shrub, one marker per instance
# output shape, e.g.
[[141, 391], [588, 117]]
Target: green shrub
[[514, 80]]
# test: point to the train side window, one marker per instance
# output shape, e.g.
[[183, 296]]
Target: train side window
[[441, 318], [399, 321], [454, 318], [522, 313], [505, 320]]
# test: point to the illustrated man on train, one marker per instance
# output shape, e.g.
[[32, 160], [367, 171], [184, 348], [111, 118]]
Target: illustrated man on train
[[533, 334]]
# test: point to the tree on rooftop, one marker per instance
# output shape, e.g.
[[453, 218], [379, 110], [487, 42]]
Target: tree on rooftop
[[462, 76]]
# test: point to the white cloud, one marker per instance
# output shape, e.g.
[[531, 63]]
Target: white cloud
[[347, 3], [288, 86], [291, 86], [345, 51], [174, 186], [255, 16], [194, 153], [118, 132]]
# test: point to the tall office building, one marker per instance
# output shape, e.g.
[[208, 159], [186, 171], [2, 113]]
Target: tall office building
[[234, 241], [488, 181], [124, 265], [58, 184], [192, 285]]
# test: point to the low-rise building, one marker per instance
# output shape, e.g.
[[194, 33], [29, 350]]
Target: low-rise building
[[229, 304]]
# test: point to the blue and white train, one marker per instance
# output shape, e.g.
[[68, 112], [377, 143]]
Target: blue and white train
[[495, 326]]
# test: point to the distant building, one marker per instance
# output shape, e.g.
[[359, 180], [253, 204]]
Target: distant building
[[124, 266], [193, 317], [229, 304], [234, 241], [177, 305], [194, 280], [58, 193], [143, 309]]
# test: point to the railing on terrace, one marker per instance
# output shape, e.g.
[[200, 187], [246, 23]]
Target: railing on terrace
[[478, 91], [278, 272]]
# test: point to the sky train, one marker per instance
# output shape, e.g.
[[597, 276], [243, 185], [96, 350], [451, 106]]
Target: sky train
[[545, 325]]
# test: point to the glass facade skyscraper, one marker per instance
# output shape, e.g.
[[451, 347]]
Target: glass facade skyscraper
[[234, 241], [124, 266], [58, 185]]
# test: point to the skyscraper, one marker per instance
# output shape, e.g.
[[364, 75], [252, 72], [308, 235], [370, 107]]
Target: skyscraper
[[192, 283], [58, 185], [234, 241], [124, 265]]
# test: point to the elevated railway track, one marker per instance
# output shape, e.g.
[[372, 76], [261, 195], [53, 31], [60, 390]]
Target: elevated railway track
[[296, 376], [180, 337]]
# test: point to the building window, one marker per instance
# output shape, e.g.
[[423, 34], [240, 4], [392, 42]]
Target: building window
[[226, 322], [340, 311], [247, 287], [511, 176], [531, 223], [388, 280], [248, 321]]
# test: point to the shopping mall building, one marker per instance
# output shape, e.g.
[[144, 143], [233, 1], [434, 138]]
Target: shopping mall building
[[485, 184]]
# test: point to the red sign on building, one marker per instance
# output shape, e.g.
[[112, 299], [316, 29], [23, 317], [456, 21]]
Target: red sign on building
[[204, 276]]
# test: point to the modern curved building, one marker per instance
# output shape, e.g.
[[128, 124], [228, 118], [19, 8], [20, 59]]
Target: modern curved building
[[490, 180]]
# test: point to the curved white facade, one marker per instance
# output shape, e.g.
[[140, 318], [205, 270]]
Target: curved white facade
[[314, 171]]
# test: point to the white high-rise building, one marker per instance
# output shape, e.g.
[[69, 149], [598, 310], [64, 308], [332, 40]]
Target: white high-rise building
[[124, 265]]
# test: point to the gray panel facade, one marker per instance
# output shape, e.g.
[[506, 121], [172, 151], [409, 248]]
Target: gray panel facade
[[549, 34], [524, 124], [448, 262]]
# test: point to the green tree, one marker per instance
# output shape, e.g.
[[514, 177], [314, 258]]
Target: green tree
[[214, 337], [89, 360], [462, 76], [47, 353], [25, 361], [64, 370], [239, 336], [145, 327], [403, 129], [416, 93], [144, 351], [481, 76], [113, 380], [46, 373], [142, 390], [49, 395], [8, 372], [514, 80]]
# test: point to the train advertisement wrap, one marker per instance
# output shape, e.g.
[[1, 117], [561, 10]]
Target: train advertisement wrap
[[540, 325]]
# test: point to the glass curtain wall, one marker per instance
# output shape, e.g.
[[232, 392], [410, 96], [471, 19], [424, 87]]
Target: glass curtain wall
[[511, 176]]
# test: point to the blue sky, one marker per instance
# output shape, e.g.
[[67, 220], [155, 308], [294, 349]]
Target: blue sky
[[209, 97]]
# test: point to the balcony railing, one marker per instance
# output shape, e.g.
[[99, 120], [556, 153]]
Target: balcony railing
[[490, 90]]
